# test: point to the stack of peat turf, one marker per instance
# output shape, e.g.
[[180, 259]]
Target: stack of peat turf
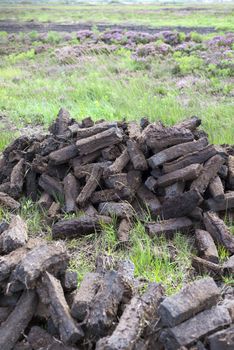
[[196, 318], [119, 169], [41, 307]]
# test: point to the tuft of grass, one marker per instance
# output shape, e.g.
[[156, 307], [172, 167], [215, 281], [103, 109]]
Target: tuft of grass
[[81, 265], [22, 56], [33, 217], [222, 253], [33, 35], [53, 37], [4, 215], [232, 229], [82, 255], [228, 280], [9, 72], [108, 241], [188, 64], [198, 38], [6, 138], [160, 260]]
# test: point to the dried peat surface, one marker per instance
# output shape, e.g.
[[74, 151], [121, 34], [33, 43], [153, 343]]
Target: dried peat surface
[[16, 27]]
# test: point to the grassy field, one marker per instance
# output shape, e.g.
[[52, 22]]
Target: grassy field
[[215, 15], [113, 86], [162, 81]]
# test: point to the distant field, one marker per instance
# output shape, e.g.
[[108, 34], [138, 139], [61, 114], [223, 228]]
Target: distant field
[[219, 16]]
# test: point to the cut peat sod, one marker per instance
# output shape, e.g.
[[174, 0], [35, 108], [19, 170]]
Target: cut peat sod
[[84, 174]]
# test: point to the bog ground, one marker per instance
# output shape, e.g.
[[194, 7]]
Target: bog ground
[[164, 63]]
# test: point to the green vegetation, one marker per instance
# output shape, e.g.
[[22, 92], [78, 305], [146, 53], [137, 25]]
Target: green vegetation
[[155, 259], [223, 253], [34, 87], [196, 37], [188, 64], [33, 216], [6, 138], [158, 259], [22, 56]]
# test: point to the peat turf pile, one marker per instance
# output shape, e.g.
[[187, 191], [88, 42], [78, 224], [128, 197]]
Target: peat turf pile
[[41, 307], [107, 169]]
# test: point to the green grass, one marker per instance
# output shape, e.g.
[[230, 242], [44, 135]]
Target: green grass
[[6, 138], [33, 88], [4, 215], [33, 217], [156, 259], [160, 260], [222, 253], [215, 15]]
